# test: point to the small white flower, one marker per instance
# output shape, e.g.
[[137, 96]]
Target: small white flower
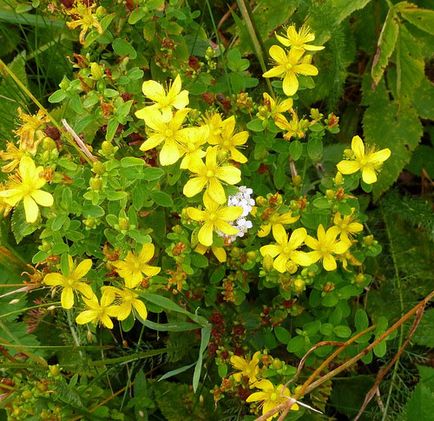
[[241, 198]]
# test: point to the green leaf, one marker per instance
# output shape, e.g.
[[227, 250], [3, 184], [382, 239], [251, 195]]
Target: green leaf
[[131, 161], [161, 198], [422, 18], [57, 96], [295, 149], [255, 125], [315, 149], [424, 334], [342, 331], [170, 327], [175, 372], [296, 344], [361, 319], [112, 126], [151, 173], [385, 46], [410, 65], [122, 47], [282, 334], [205, 335], [345, 8], [21, 228]]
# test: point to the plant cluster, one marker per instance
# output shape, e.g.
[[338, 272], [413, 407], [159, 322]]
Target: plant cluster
[[191, 237]]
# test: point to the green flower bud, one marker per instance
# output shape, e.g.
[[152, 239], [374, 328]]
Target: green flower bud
[[98, 168], [96, 71], [95, 183]]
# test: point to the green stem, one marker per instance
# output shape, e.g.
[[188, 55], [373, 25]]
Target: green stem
[[401, 304], [220, 45], [258, 45], [29, 19], [5, 68]]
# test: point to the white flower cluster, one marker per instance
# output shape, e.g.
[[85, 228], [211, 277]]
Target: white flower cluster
[[244, 200]]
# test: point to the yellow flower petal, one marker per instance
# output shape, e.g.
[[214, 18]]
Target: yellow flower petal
[[280, 263], [280, 234], [205, 234], [290, 84], [86, 316], [147, 252], [31, 209], [270, 250], [277, 54], [140, 307], [358, 147], [82, 269], [53, 279], [42, 198], [369, 176], [169, 153], [348, 167], [329, 262], [153, 90], [194, 186], [67, 298]]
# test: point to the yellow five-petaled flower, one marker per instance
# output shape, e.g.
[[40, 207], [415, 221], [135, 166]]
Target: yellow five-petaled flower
[[134, 267], [214, 218], [285, 251], [28, 189], [246, 367], [367, 160], [208, 175], [99, 311], [71, 281], [127, 301], [288, 65], [299, 39], [164, 101], [326, 246], [271, 396]]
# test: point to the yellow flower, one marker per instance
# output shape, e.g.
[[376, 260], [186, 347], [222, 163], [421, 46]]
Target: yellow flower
[[214, 123], [13, 154], [214, 218], [194, 138], [348, 258], [247, 367], [346, 226], [30, 133], [71, 281], [299, 39], [128, 302], [83, 17], [208, 175], [134, 267], [285, 251], [275, 108], [369, 161], [294, 128], [271, 396], [288, 66], [326, 246], [99, 312], [228, 141], [174, 98], [28, 189], [219, 252], [170, 133], [276, 219]]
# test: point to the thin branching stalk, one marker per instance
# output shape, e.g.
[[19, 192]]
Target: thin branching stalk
[[256, 41]]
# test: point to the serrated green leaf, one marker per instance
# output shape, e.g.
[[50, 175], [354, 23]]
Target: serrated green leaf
[[385, 46], [410, 65], [422, 18], [345, 8]]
